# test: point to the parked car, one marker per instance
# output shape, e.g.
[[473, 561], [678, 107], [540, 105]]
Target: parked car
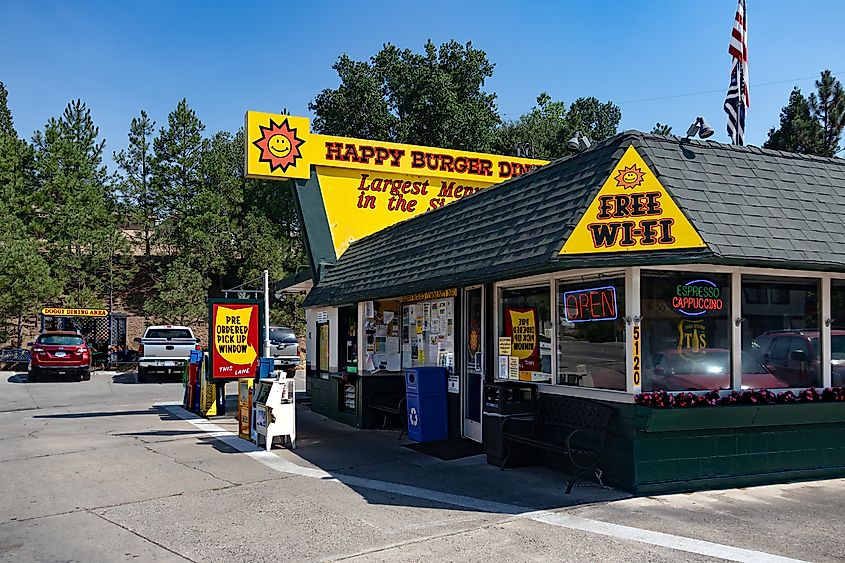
[[795, 356], [59, 353], [284, 348], [708, 369], [164, 350]]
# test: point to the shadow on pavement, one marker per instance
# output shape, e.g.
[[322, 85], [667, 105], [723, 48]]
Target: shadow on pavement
[[162, 413], [17, 378], [125, 377], [381, 470], [161, 433]]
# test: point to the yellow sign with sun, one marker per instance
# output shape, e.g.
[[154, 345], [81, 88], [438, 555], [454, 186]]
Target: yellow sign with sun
[[632, 211], [365, 185], [279, 145]]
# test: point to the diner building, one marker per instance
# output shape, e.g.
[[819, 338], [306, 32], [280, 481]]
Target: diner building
[[641, 264]]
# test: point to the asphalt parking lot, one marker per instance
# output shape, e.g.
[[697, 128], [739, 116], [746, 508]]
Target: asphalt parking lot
[[109, 469]]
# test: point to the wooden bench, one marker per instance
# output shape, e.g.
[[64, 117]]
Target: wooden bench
[[391, 402], [565, 425]]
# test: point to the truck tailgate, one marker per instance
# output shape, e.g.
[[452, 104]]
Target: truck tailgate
[[161, 348]]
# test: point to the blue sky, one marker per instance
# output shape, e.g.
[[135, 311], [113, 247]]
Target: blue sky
[[227, 57]]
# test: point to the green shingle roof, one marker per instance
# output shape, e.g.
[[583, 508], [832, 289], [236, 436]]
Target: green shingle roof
[[751, 207]]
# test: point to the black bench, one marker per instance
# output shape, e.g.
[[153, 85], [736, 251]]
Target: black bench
[[565, 425], [391, 402]]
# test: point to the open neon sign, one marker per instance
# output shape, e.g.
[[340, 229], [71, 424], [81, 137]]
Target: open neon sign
[[588, 305]]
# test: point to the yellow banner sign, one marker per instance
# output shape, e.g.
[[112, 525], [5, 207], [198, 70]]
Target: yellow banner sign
[[632, 211], [281, 146], [367, 186], [65, 312]]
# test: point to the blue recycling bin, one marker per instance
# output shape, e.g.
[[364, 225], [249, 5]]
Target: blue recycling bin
[[425, 390], [265, 368]]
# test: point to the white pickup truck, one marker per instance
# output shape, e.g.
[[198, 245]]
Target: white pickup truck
[[164, 350]]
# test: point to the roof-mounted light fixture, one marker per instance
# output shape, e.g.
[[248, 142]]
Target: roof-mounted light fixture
[[579, 142], [700, 128]]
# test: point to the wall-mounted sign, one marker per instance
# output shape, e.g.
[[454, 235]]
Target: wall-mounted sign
[[505, 346], [65, 312], [632, 211], [430, 295], [234, 338], [697, 297], [594, 304], [323, 316], [366, 186]]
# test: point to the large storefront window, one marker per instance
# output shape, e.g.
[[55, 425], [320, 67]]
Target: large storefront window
[[837, 333], [591, 335], [781, 332], [525, 332], [686, 331]]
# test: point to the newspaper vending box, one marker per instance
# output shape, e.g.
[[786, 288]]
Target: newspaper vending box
[[274, 411]]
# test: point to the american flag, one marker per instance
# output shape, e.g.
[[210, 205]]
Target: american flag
[[736, 100]]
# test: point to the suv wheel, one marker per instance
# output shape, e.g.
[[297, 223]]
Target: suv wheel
[[32, 377], [85, 375]]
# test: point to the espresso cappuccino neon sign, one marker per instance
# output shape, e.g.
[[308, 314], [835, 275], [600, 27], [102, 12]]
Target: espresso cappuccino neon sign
[[697, 297]]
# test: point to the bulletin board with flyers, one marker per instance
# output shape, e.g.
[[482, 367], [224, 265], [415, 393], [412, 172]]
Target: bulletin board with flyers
[[428, 334], [381, 329]]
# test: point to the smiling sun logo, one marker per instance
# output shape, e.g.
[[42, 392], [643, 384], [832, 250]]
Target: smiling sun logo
[[629, 177], [279, 145]]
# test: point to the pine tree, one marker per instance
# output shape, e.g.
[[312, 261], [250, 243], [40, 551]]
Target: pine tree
[[176, 165], [812, 125], [827, 106], [7, 126], [25, 278], [798, 131], [135, 168], [74, 197]]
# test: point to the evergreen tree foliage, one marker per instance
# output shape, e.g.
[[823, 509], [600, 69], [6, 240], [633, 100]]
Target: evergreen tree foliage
[[827, 106], [176, 176], [811, 125], [179, 295], [74, 200], [798, 131], [135, 165], [661, 129]]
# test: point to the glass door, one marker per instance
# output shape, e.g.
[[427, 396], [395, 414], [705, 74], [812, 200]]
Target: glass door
[[473, 365]]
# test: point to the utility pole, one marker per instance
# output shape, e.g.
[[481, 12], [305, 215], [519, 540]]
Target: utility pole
[[266, 314]]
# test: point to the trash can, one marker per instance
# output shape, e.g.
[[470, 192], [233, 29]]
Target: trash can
[[265, 368], [502, 399], [425, 391]]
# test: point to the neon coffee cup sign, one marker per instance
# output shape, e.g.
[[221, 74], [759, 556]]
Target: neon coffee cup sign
[[697, 297]]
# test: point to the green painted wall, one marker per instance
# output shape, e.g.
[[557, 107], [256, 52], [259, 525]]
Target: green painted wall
[[665, 450]]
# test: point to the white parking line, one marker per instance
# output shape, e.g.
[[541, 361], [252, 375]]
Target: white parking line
[[560, 519]]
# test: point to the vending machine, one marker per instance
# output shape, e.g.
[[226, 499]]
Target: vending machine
[[274, 411]]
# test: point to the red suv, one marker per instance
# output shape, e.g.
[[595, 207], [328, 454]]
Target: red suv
[[59, 353]]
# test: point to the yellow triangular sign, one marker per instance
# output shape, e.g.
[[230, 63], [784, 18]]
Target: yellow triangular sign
[[632, 211]]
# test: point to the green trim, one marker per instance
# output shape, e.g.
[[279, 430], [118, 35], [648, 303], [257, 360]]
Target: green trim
[[742, 416], [315, 223]]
